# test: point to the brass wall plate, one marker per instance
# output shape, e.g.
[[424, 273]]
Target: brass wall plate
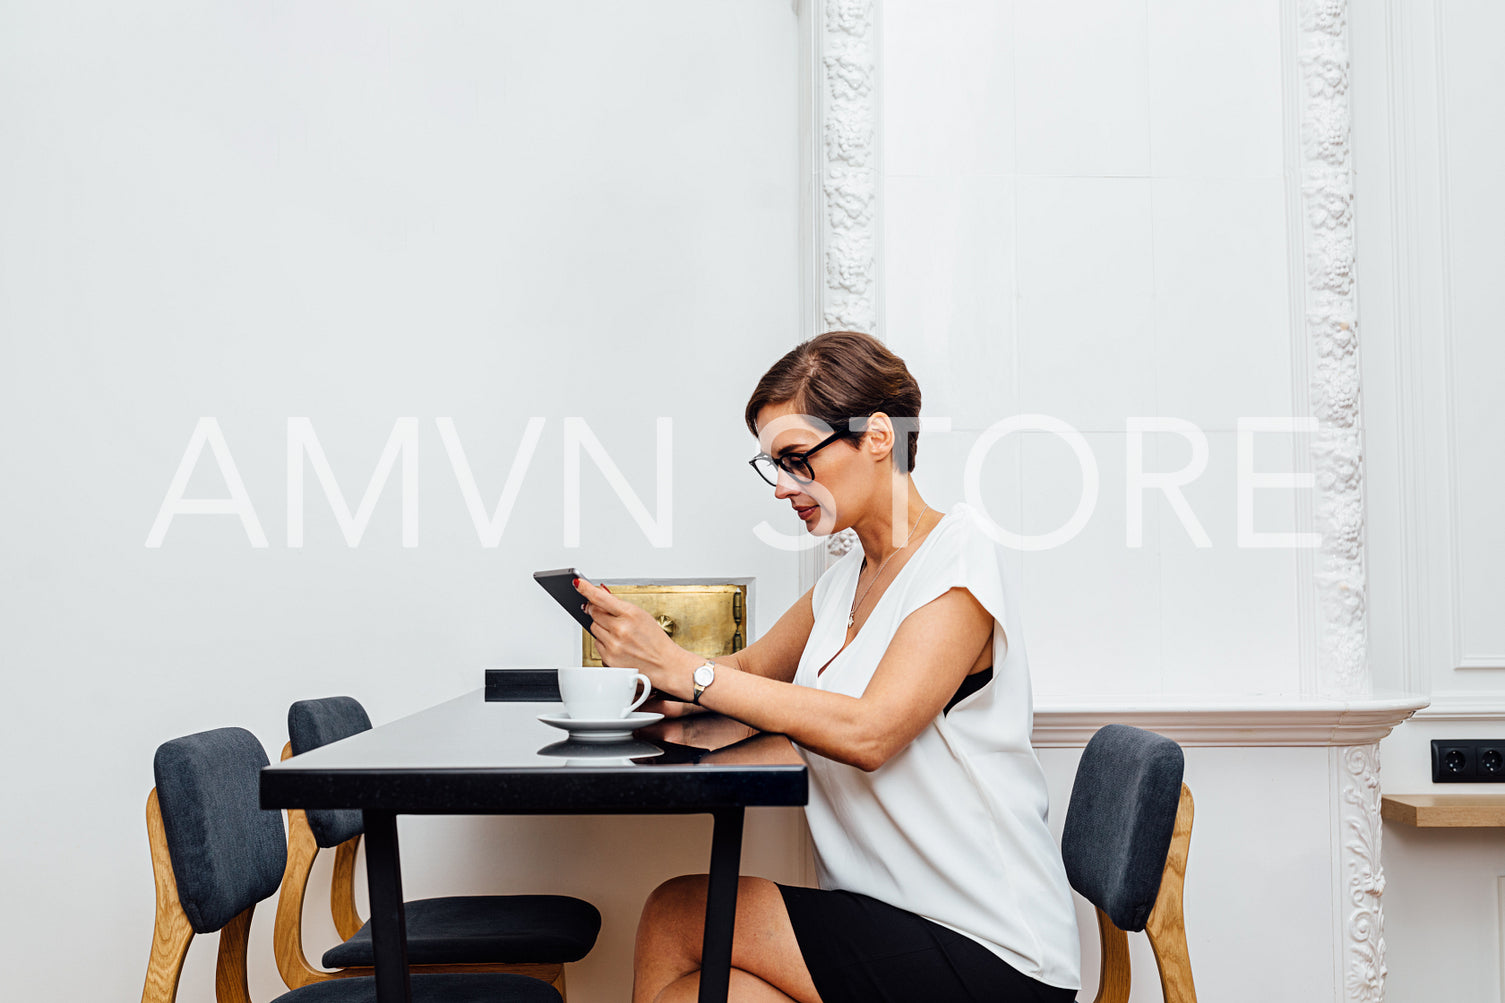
[[709, 619]]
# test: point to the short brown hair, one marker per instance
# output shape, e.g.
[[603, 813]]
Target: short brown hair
[[838, 376]]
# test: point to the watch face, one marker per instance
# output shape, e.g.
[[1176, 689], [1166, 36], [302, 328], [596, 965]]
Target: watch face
[[704, 675]]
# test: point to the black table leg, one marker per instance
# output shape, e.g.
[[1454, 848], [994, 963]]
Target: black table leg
[[720, 905], [389, 928]]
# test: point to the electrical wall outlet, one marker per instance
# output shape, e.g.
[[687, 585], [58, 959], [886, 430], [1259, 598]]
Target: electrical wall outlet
[[1491, 763], [1468, 761]]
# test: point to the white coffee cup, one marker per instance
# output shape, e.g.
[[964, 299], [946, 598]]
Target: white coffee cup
[[597, 694]]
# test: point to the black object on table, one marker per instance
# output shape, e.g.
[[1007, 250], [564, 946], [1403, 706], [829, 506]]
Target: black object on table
[[479, 756]]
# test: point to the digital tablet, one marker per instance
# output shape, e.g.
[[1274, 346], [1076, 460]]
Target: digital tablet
[[559, 584]]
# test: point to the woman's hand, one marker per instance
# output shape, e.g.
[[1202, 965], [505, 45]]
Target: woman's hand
[[627, 636]]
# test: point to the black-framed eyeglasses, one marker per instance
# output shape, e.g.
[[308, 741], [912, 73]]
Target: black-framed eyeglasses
[[796, 465]]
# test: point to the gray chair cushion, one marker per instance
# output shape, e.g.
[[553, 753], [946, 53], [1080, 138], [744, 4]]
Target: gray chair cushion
[[311, 724], [486, 929], [432, 989], [1120, 819], [227, 854]]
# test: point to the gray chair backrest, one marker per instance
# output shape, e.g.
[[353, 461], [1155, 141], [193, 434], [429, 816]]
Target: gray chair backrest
[[310, 724], [1120, 820], [227, 853]]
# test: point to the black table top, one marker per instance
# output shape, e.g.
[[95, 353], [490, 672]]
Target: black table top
[[472, 756]]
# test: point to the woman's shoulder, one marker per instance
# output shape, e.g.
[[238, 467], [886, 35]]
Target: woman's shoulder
[[959, 551], [967, 556], [965, 531]]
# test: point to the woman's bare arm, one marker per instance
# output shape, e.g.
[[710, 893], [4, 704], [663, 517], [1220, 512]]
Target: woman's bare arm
[[930, 654], [775, 655], [701, 731], [762, 749]]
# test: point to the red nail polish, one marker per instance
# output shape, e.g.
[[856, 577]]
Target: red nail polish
[[605, 589], [575, 582]]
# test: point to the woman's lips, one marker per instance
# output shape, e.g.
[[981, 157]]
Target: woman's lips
[[804, 513]]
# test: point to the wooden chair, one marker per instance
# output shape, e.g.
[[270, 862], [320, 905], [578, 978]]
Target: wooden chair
[[1125, 843], [531, 935], [215, 854]]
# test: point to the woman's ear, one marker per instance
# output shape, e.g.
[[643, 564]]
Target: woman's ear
[[879, 441]]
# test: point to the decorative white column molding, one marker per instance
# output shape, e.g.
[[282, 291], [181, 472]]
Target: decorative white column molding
[[844, 230], [847, 40], [1331, 319], [1357, 831], [1337, 456]]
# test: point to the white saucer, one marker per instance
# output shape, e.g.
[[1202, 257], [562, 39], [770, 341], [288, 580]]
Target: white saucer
[[602, 729]]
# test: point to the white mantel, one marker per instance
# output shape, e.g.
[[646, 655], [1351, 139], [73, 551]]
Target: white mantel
[[1233, 721]]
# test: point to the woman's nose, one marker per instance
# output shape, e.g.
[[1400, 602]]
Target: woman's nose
[[785, 486]]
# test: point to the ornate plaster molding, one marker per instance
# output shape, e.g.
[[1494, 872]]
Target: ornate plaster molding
[[1330, 302], [849, 167], [840, 544], [1361, 881], [848, 189], [1331, 320]]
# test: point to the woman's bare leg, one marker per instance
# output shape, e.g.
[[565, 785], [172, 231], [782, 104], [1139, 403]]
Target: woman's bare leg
[[741, 988], [764, 949]]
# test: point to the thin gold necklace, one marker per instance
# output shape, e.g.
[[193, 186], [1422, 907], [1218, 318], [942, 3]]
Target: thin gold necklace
[[852, 616]]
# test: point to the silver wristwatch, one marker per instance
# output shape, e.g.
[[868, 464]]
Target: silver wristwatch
[[705, 675]]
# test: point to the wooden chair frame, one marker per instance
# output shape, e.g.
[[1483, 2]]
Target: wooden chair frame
[[1166, 927], [172, 932], [287, 934]]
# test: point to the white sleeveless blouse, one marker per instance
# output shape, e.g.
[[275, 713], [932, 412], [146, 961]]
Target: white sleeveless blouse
[[953, 827]]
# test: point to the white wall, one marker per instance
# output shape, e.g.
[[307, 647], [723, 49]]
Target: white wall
[[1071, 228], [1430, 103], [353, 213]]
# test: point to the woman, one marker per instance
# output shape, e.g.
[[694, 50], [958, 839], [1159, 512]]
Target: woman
[[902, 677]]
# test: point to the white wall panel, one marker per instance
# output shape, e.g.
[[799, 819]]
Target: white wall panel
[[1471, 86], [949, 255], [1094, 603], [1086, 280], [1432, 358], [1082, 86], [948, 88], [1427, 128], [1132, 295], [1222, 324], [1442, 911], [1215, 89], [1228, 613]]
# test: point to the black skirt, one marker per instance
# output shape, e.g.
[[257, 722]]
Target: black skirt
[[862, 950]]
